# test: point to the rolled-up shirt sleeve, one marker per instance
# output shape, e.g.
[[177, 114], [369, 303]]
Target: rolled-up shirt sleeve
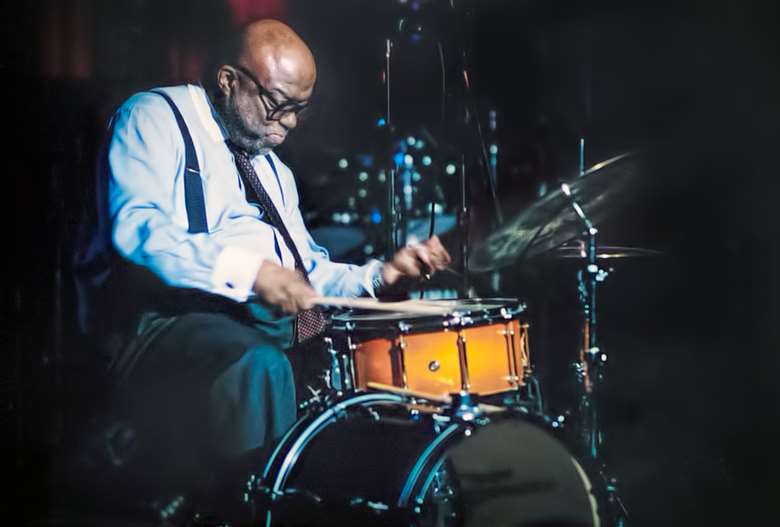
[[146, 205]]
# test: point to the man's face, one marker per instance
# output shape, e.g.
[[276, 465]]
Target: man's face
[[264, 104]]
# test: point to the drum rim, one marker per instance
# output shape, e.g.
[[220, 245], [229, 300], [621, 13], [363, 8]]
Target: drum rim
[[430, 457], [508, 309], [287, 452], [314, 423]]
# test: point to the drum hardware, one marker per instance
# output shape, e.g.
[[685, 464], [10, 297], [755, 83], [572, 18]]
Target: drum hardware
[[339, 377], [465, 408], [616, 509], [592, 360], [398, 354], [510, 350], [465, 385]]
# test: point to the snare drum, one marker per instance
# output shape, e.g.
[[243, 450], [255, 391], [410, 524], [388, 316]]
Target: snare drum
[[479, 346]]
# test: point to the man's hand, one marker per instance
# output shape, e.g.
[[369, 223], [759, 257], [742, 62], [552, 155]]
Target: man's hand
[[416, 260], [283, 288]]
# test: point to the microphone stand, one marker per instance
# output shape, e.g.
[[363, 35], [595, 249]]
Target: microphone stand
[[392, 217], [471, 117]]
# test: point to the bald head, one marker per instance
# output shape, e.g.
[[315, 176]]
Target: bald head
[[265, 83], [272, 49]]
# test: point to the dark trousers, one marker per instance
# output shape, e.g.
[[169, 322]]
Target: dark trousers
[[206, 390]]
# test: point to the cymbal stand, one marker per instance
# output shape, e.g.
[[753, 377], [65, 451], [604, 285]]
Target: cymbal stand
[[592, 361]]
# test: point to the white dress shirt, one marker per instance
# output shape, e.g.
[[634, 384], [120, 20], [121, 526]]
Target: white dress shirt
[[148, 216]]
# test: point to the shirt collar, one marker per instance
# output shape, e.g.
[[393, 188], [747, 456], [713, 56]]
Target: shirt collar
[[207, 114]]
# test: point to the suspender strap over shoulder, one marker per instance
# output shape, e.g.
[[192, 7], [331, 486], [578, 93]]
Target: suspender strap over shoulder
[[193, 185]]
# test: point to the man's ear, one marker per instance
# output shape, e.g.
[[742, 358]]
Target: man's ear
[[226, 79]]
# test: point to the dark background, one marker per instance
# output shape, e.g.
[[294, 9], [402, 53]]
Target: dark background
[[691, 409]]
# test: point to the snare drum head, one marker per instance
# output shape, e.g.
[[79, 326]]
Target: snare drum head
[[484, 310]]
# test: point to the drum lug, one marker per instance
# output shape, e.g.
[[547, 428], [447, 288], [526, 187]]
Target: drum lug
[[400, 349], [465, 383], [339, 377], [509, 334]]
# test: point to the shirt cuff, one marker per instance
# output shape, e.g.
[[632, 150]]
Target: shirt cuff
[[372, 279], [235, 272]]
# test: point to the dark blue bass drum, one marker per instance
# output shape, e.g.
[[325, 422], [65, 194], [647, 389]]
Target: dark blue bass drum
[[385, 459]]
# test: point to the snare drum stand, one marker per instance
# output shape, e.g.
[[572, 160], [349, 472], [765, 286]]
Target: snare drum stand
[[591, 364]]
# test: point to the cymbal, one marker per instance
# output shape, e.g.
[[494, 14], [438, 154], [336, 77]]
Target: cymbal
[[551, 220], [603, 252]]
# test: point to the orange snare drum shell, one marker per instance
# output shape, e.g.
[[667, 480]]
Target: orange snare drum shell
[[430, 362]]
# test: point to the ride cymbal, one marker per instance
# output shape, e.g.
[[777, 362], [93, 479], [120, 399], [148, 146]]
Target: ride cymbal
[[551, 220]]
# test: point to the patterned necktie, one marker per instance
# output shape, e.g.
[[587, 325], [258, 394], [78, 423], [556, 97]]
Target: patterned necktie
[[308, 322]]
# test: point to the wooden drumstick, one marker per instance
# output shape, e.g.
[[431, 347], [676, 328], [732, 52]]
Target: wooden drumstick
[[407, 306]]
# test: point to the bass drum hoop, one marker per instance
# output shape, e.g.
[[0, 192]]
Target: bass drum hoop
[[288, 450], [316, 423]]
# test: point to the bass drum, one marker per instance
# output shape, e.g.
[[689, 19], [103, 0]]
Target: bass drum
[[376, 459]]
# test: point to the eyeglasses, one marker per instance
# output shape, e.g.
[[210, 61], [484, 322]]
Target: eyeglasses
[[275, 111]]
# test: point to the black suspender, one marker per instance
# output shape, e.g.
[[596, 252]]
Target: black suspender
[[193, 186]]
